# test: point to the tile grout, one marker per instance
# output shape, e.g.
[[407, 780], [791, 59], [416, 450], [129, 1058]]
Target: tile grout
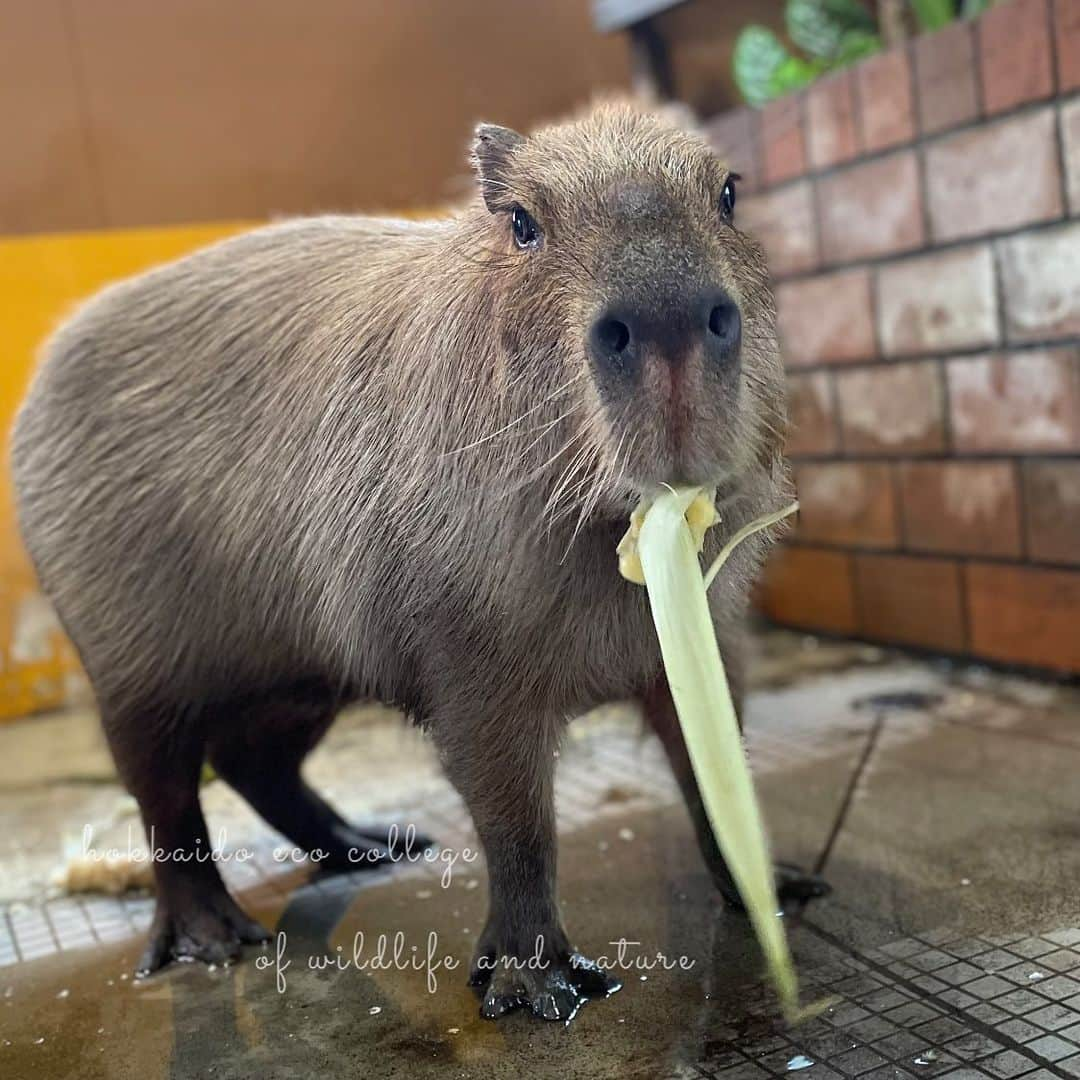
[[960, 1012], [849, 793]]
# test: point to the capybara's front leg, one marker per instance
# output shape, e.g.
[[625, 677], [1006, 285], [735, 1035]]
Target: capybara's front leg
[[505, 773], [159, 754]]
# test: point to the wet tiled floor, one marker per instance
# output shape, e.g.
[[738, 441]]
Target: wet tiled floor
[[943, 805]]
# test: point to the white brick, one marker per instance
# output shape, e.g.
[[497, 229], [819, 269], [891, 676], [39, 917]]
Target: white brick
[[1041, 283], [938, 302]]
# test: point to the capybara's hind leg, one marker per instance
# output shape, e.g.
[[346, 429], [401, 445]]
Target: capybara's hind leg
[[259, 746], [159, 752]]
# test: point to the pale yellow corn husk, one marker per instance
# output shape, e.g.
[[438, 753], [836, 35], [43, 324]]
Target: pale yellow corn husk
[[665, 547], [700, 517]]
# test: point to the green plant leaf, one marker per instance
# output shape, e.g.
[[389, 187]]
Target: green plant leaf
[[758, 54], [795, 73], [972, 9], [856, 45], [933, 14], [819, 26]]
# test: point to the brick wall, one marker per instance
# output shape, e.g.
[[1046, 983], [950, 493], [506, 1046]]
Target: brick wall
[[921, 213]]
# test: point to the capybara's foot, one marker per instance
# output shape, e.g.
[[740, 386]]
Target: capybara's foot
[[354, 847], [212, 929], [551, 990], [793, 886]]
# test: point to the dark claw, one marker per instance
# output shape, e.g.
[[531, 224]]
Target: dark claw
[[793, 886], [213, 933], [556, 992], [797, 887]]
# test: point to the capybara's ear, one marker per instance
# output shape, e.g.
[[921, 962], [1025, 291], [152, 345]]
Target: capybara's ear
[[491, 153]]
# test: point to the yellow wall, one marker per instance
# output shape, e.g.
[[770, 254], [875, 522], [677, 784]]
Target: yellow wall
[[41, 279]]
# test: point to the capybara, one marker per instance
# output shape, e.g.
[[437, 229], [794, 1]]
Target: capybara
[[342, 458]]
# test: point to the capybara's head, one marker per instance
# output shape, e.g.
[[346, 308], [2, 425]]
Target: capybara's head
[[626, 289]]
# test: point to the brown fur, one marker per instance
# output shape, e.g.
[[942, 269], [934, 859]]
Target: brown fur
[[345, 458]]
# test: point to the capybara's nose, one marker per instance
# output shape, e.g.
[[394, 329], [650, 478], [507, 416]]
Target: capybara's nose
[[623, 334], [725, 328], [614, 346]]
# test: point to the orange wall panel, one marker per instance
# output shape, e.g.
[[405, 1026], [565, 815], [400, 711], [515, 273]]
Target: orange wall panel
[[41, 279]]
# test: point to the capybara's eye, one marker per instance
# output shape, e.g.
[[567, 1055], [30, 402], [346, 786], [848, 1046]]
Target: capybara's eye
[[526, 231], [727, 198]]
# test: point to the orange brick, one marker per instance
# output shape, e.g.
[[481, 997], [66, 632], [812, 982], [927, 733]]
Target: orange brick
[[874, 208], [734, 137], [891, 409], [1015, 62], [964, 507], [783, 222], [1040, 283], [847, 502], [1024, 401], [1067, 40], [1052, 504], [783, 151], [826, 319], [809, 588], [946, 78], [910, 601], [995, 177], [1024, 615], [830, 121], [959, 310], [885, 103], [811, 418]]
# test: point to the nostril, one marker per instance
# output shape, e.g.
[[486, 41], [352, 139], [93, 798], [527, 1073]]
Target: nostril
[[613, 335], [724, 322]]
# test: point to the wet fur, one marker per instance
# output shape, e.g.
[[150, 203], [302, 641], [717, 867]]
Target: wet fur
[[341, 458]]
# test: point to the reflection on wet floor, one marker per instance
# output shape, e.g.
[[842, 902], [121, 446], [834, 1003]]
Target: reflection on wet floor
[[943, 804]]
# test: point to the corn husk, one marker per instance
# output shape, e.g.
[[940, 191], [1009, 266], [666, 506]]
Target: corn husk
[[664, 547]]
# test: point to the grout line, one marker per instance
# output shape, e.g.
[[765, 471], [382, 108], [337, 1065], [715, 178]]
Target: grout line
[[47, 916], [869, 457], [918, 135], [6, 913], [837, 414], [1055, 57], [899, 504], [1001, 306], [1019, 475], [949, 447], [849, 794], [1062, 160], [967, 352], [912, 650], [975, 33], [922, 172], [967, 625], [920, 139], [857, 112], [816, 216], [900, 256], [964, 558], [981, 1027], [874, 274]]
